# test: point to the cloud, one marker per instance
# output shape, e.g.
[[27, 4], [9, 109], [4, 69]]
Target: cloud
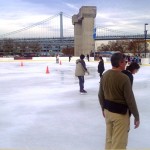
[[127, 21], [71, 6], [120, 15], [19, 14]]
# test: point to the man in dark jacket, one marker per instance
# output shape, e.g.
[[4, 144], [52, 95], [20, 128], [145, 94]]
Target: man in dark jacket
[[101, 67]]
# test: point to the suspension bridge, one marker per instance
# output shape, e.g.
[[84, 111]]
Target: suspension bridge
[[60, 26], [57, 32]]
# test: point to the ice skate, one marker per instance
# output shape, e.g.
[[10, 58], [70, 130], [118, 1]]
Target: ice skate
[[83, 92]]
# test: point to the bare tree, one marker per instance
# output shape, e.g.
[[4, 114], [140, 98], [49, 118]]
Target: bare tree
[[1, 48], [35, 47], [8, 46], [68, 51], [124, 46]]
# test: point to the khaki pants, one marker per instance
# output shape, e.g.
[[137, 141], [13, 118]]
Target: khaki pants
[[117, 128]]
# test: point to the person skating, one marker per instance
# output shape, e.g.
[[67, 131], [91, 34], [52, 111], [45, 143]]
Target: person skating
[[130, 70], [80, 72], [70, 58], [88, 57], [117, 100], [101, 67]]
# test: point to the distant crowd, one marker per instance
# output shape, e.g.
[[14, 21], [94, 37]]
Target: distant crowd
[[131, 59]]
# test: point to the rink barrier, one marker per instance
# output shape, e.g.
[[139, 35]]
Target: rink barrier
[[6, 59], [144, 61], [60, 58]]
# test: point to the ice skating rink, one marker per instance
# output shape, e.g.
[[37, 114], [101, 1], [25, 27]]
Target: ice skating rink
[[40, 111]]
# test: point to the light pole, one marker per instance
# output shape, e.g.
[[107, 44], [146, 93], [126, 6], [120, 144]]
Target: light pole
[[145, 36]]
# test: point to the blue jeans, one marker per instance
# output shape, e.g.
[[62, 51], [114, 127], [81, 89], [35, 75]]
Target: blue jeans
[[81, 82]]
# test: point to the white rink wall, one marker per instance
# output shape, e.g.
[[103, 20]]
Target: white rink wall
[[145, 61], [46, 59], [60, 58], [6, 59]]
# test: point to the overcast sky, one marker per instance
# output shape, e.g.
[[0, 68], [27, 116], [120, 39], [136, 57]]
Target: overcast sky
[[122, 15]]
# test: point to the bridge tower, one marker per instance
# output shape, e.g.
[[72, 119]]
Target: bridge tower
[[83, 30], [61, 24]]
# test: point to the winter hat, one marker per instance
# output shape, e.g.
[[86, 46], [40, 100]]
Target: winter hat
[[82, 56]]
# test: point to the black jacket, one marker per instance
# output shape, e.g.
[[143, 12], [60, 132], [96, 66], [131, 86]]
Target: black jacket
[[129, 74], [101, 67]]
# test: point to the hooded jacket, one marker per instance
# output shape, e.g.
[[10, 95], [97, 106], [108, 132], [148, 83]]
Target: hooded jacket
[[80, 68]]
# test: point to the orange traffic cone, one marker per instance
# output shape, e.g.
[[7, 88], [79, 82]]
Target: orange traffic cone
[[47, 70], [21, 64], [60, 62]]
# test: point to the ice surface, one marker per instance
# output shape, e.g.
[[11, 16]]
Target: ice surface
[[47, 112]]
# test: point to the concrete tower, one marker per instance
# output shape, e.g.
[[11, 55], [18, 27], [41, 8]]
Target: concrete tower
[[83, 30]]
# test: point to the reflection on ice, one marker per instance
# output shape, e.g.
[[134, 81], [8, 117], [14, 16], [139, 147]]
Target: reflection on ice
[[46, 111]]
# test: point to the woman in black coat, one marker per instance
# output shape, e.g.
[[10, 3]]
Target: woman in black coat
[[101, 67], [130, 70]]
